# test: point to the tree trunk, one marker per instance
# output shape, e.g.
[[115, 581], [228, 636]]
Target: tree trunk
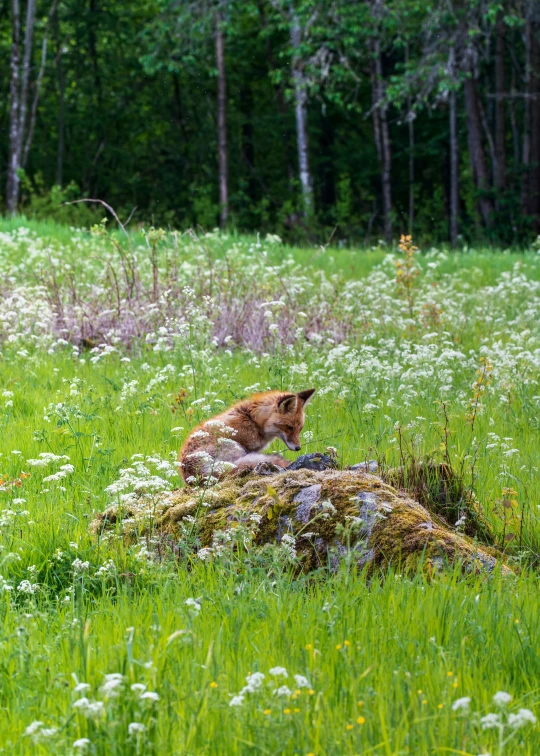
[[280, 99], [454, 170], [12, 190], [25, 78], [300, 109], [410, 124], [248, 141], [37, 92], [411, 174], [20, 77], [534, 174], [61, 108], [382, 138], [527, 116], [513, 122], [489, 140], [222, 123], [500, 106], [476, 150]]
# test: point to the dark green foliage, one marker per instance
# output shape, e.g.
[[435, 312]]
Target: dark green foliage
[[127, 113]]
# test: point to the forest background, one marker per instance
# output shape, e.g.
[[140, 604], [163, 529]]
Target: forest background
[[306, 118]]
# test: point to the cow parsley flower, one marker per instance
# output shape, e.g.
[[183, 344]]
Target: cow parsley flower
[[283, 690], [33, 728], [522, 718], [150, 695], [490, 721], [461, 704], [501, 698], [136, 728], [278, 672], [254, 682]]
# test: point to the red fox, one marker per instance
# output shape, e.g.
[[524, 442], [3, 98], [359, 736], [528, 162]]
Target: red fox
[[235, 438]]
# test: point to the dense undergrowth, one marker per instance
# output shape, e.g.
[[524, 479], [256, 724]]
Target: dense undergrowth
[[112, 350]]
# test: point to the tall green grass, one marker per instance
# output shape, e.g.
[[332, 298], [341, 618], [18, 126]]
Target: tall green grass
[[383, 659]]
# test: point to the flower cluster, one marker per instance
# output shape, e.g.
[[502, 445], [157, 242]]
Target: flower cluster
[[273, 686]]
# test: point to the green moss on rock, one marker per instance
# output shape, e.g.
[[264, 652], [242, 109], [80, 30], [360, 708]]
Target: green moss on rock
[[331, 515]]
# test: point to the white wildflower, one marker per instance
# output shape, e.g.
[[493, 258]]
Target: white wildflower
[[136, 728], [283, 690], [501, 698], [25, 586], [150, 695], [254, 682], [522, 718], [33, 728], [490, 721], [461, 704], [90, 709], [278, 672]]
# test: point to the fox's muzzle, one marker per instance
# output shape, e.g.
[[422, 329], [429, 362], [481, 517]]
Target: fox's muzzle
[[290, 445]]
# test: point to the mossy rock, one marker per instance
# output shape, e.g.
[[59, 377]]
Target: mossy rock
[[331, 514]]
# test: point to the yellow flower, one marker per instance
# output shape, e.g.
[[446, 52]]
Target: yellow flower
[[296, 711], [297, 692], [361, 720], [308, 646], [450, 674], [420, 691], [213, 684], [346, 643], [516, 621], [439, 706], [286, 711], [349, 727], [267, 711], [311, 691], [360, 703], [338, 647], [455, 685], [424, 701]]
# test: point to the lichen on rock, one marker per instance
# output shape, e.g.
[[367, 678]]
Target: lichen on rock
[[328, 515]]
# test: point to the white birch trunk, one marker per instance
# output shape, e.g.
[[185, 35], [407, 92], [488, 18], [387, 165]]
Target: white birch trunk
[[19, 97], [12, 190], [300, 109]]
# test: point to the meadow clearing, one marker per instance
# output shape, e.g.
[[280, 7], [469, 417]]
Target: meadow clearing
[[112, 351]]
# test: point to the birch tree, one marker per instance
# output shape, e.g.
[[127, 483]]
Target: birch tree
[[19, 81], [178, 37], [298, 18]]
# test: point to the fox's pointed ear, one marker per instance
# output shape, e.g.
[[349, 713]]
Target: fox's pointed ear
[[305, 396], [287, 403]]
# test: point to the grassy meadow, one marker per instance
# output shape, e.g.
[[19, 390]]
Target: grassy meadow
[[111, 350]]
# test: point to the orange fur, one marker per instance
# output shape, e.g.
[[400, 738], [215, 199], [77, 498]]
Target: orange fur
[[253, 423]]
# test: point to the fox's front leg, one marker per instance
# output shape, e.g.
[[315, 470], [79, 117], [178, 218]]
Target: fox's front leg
[[250, 461]]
